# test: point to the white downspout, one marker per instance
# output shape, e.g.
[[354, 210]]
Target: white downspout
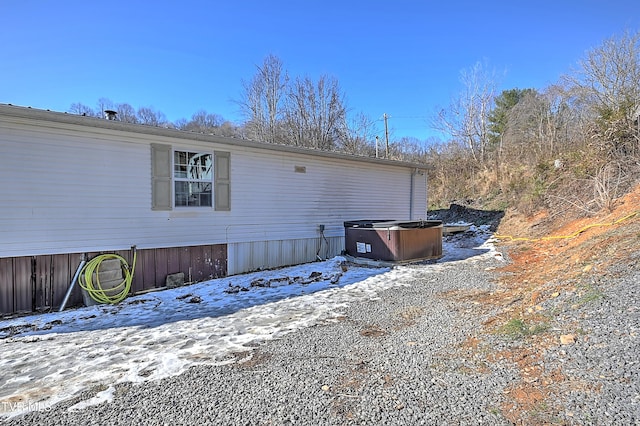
[[426, 195], [412, 189]]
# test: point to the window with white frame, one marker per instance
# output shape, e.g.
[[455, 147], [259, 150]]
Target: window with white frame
[[193, 179]]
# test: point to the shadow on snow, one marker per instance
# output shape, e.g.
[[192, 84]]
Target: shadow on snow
[[226, 296]]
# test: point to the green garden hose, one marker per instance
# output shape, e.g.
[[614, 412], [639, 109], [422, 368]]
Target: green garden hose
[[111, 295]]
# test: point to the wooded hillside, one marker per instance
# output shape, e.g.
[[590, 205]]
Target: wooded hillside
[[571, 147]]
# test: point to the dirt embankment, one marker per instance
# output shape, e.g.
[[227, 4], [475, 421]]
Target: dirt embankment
[[570, 250], [550, 259]]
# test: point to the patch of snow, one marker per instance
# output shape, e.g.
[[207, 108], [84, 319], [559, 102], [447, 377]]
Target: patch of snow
[[459, 223], [52, 357]]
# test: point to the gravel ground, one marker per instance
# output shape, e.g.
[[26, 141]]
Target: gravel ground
[[406, 359], [602, 369]]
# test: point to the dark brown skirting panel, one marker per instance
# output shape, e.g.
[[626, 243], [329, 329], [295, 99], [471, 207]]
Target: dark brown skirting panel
[[39, 283]]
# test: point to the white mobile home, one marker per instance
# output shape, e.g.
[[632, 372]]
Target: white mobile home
[[204, 205]]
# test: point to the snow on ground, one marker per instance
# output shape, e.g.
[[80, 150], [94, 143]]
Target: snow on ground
[[52, 357]]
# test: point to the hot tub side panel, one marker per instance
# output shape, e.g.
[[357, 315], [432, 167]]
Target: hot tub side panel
[[396, 245], [420, 243], [368, 243]]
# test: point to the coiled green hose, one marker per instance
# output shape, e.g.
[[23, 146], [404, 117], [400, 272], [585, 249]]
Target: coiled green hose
[[110, 295]]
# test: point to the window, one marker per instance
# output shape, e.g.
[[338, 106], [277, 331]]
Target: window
[[192, 175], [187, 179]]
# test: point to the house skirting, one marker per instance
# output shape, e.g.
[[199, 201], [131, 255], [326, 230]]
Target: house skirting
[[259, 255], [39, 283]]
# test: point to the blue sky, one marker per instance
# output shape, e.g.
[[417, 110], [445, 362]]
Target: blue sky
[[402, 58]]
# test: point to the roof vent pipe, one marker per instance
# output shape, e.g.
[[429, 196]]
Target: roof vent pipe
[[110, 114]]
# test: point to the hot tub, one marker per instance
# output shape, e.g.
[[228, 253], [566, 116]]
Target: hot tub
[[394, 241]]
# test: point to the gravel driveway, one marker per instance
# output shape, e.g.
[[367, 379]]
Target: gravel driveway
[[415, 356]]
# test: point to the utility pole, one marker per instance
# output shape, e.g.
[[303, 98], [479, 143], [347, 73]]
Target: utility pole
[[386, 134]]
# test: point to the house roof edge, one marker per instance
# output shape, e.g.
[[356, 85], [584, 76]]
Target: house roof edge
[[75, 119]]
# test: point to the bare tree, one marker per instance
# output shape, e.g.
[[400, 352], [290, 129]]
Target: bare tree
[[609, 80], [81, 109], [466, 119], [261, 102], [302, 112], [453, 173], [103, 105], [181, 123], [356, 135], [538, 124], [126, 113], [151, 117], [228, 129], [407, 149], [314, 113], [204, 122]]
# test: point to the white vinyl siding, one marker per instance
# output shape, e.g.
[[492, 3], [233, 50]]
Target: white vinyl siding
[[64, 193], [68, 188], [271, 199]]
